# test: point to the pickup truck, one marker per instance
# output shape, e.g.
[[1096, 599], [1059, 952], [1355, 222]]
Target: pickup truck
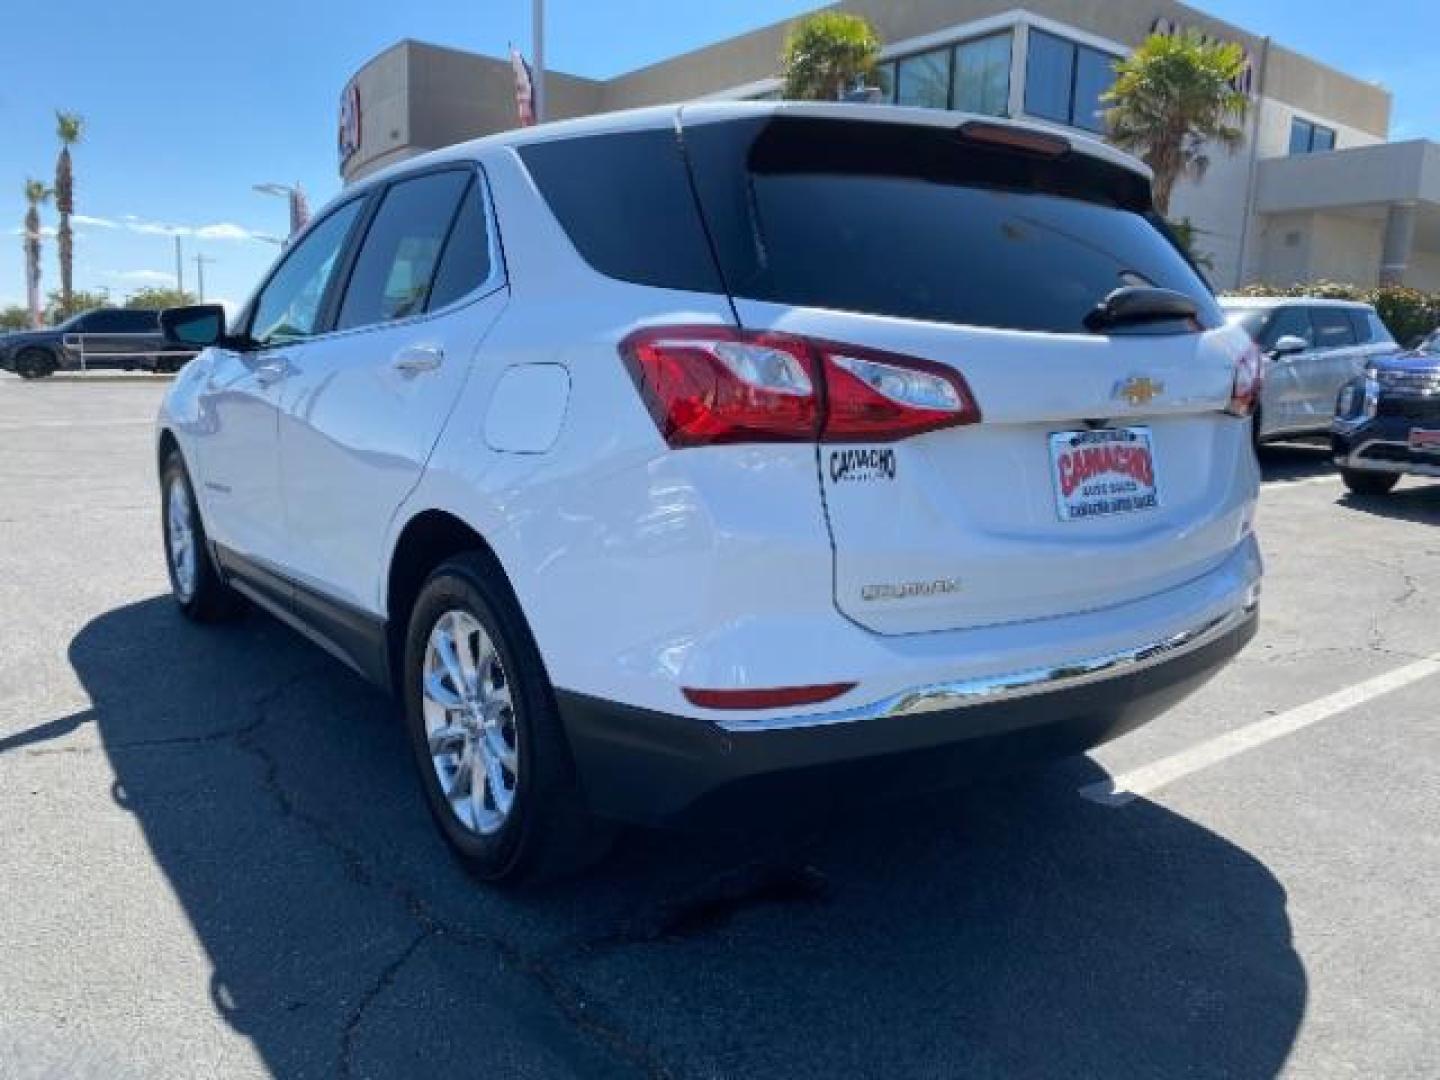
[[103, 339]]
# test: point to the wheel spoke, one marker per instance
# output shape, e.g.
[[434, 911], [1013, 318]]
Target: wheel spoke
[[445, 649], [496, 747], [469, 641], [439, 693], [465, 773], [495, 775]]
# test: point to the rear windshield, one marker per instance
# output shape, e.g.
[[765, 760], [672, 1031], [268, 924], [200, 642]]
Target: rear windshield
[[912, 222]]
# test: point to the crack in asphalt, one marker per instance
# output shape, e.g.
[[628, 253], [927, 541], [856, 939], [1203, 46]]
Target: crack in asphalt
[[388, 974], [567, 999]]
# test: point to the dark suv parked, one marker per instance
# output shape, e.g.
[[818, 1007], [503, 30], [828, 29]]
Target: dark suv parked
[[103, 339], [1387, 421]]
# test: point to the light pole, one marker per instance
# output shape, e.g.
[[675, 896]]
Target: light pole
[[201, 261], [299, 207]]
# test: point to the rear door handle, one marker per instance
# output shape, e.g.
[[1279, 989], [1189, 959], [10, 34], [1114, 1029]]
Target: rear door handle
[[417, 359]]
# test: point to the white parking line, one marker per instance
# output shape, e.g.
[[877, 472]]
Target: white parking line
[[1125, 788]]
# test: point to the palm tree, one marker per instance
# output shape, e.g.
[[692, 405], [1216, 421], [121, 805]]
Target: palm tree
[[36, 195], [826, 54], [1172, 98], [68, 128]]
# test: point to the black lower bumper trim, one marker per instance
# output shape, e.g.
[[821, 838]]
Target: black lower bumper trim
[[652, 768]]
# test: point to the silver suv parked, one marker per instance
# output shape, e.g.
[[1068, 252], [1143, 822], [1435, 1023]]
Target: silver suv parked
[[1312, 348]]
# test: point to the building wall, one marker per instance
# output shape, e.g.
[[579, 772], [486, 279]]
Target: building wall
[[416, 97]]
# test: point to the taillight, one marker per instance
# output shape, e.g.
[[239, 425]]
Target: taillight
[[1249, 379], [710, 385]]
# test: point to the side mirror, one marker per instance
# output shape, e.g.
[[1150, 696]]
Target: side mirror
[[197, 327], [1289, 345]]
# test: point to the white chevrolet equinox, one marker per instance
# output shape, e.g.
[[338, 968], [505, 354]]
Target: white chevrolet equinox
[[695, 464]]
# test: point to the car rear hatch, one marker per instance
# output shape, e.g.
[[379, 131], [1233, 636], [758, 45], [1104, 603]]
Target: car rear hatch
[[1102, 465]]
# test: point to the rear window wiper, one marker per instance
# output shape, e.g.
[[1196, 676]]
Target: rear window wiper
[[1135, 305]]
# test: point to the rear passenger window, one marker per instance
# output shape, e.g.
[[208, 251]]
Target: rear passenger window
[[625, 202], [398, 258], [465, 263], [1333, 329]]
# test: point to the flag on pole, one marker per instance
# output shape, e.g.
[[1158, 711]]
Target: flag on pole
[[524, 88]]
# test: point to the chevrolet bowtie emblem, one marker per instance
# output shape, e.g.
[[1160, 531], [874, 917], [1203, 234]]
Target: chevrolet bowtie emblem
[[1138, 390]]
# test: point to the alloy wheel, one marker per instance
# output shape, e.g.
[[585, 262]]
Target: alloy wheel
[[470, 722]]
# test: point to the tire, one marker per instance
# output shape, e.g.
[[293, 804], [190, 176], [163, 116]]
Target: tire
[[196, 584], [34, 364], [1369, 484], [537, 828]]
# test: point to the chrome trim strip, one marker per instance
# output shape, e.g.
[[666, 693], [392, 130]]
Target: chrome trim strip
[[1020, 684]]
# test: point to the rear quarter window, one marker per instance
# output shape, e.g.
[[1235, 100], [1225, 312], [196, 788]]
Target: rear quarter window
[[625, 201]]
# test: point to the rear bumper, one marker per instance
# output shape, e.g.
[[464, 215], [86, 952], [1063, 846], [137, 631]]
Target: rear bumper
[[652, 768]]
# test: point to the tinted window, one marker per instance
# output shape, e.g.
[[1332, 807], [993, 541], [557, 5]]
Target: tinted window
[[626, 203], [118, 321], [1361, 325], [1094, 75], [1288, 322], [1064, 81], [465, 262], [1379, 332], [397, 260], [982, 75], [912, 222], [1049, 77], [885, 80], [924, 80], [1308, 138], [1333, 329], [290, 306]]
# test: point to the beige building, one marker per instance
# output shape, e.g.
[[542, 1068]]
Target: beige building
[[1317, 190]]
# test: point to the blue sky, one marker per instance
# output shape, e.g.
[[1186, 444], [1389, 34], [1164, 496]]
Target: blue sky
[[187, 105]]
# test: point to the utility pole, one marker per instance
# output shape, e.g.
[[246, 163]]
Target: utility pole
[[201, 261], [538, 30], [179, 266]]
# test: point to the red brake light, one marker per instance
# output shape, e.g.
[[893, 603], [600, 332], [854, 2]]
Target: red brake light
[[1249, 380], [711, 385]]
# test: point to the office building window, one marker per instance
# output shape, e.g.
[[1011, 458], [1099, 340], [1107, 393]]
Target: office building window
[[982, 75], [1308, 138], [1064, 81], [884, 78], [924, 80]]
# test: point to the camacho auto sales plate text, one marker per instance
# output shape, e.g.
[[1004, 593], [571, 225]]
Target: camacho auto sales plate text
[[1103, 472]]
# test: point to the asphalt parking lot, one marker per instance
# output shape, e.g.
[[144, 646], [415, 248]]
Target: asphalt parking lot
[[215, 861]]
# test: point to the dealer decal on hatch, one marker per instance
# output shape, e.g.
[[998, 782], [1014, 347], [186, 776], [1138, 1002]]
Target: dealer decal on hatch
[[862, 464]]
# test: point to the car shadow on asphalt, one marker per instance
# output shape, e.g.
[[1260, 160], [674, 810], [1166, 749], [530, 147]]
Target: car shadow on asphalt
[[1010, 929], [1418, 502], [1286, 462]]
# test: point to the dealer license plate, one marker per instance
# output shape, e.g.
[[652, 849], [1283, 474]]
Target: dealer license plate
[[1425, 440], [1103, 472]]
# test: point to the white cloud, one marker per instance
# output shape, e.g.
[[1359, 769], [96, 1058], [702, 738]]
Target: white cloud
[[98, 222], [224, 230], [45, 230], [221, 230], [140, 277]]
